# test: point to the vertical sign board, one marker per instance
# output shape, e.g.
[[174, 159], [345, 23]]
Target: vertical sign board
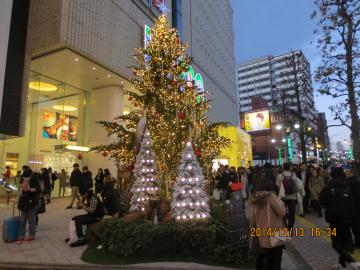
[[280, 159], [5, 15], [147, 37], [289, 147], [14, 94]]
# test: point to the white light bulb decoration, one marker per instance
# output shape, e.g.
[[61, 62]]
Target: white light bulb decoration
[[145, 186], [189, 198]]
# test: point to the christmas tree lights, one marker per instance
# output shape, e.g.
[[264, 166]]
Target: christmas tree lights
[[189, 199], [145, 186], [170, 103]]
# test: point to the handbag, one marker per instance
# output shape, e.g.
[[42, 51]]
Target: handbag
[[42, 206], [277, 239], [216, 194]]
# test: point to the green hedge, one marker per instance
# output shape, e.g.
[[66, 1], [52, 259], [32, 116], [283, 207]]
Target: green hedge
[[145, 239]]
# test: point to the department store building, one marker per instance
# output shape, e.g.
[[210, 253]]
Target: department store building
[[63, 64]]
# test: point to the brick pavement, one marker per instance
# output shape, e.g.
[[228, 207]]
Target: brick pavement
[[50, 248], [316, 251]]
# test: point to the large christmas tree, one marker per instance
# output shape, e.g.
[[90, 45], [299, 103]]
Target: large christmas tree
[[145, 186], [189, 199], [175, 111]]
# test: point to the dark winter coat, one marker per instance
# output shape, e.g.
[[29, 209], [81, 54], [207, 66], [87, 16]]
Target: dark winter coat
[[46, 179], [224, 180], [111, 199], [87, 180], [27, 199], [326, 199], [99, 182], [76, 178]]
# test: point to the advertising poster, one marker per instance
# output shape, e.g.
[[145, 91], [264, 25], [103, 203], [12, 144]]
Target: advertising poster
[[59, 126], [73, 128], [257, 121]]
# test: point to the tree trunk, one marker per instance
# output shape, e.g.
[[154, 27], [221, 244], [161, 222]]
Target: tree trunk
[[355, 133]]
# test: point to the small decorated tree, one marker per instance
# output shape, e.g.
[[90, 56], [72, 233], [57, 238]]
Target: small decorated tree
[[145, 186], [189, 199]]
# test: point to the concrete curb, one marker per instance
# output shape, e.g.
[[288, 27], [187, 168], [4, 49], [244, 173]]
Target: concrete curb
[[154, 266]]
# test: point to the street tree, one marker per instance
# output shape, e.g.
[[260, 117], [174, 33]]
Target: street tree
[[338, 28], [295, 97]]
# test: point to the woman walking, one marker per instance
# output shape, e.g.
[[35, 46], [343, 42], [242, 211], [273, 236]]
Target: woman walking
[[316, 184], [267, 215]]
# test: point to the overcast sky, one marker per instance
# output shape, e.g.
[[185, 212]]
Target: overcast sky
[[272, 27]]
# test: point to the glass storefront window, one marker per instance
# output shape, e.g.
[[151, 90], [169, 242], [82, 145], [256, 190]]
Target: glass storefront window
[[56, 117]]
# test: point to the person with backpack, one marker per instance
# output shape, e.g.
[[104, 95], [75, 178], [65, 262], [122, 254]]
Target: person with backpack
[[291, 185], [338, 199], [94, 212]]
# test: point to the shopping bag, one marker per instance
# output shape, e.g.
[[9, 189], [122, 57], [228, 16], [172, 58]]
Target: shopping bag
[[216, 194], [72, 232]]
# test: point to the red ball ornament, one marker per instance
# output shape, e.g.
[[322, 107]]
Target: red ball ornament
[[130, 98], [105, 153], [198, 153], [79, 156], [181, 115]]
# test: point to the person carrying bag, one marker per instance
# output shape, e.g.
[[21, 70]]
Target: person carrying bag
[[267, 230]]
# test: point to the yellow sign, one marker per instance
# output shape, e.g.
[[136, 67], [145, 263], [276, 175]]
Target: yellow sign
[[239, 153], [256, 121]]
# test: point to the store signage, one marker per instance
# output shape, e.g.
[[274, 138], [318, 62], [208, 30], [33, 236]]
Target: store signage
[[280, 159], [147, 36], [257, 121]]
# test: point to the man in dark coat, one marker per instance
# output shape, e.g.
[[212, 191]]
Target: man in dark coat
[[87, 180], [355, 187], [111, 197], [75, 183], [338, 199], [225, 179]]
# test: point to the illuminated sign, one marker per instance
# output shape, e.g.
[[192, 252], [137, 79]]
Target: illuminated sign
[[199, 83], [289, 144], [257, 121], [280, 160], [147, 36]]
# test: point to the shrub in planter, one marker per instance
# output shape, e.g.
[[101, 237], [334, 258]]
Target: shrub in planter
[[169, 240]]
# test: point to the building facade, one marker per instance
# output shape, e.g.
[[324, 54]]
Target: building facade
[[78, 55], [272, 77], [283, 84], [322, 134]]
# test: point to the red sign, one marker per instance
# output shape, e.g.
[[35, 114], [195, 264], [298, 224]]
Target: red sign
[[158, 3]]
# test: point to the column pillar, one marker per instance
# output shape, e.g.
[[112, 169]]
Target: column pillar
[[105, 104]]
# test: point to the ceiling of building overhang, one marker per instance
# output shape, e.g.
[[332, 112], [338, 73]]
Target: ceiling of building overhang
[[70, 68]]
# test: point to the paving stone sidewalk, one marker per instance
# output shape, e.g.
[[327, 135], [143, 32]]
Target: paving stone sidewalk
[[51, 251]]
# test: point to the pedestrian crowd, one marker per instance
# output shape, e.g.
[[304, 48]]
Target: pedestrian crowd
[[274, 194], [98, 196]]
